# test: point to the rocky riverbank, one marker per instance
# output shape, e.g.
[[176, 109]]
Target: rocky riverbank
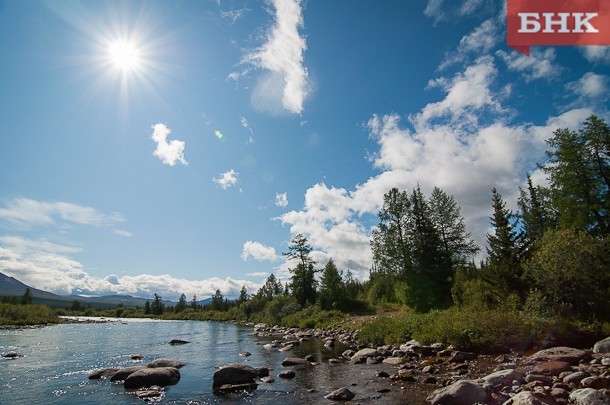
[[410, 373]]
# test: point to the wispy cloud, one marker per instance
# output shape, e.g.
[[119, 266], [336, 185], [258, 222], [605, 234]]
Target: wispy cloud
[[282, 56], [281, 200], [258, 251], [227, 179], [244, 123], [123, 233], [441, 10], [170, 152], [234, 15], [539, 65], [28, 212]]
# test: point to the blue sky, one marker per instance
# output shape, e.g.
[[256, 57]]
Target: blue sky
[[178, 146]]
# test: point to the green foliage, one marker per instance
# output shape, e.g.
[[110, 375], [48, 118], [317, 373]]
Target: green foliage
[[27, 297], [157, 307], [313, 317], [280, 307], [218, 301], [303, 283], [181, 305], [579, 175], [571, 272], [332, 293], [13, 314]]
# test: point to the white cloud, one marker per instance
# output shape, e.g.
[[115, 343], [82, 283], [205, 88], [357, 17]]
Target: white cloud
[[234, 15], [281, 200], [123, 233], [596, 54], [590, 86], [441, 10], [227, 179], [28, 212], [282, 56], [258, 252], [261, 274], [169, 152], [48, 267], [539, 65], [468, 94]]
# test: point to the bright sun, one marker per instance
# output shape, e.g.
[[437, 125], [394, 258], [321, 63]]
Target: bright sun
[[124, 55]]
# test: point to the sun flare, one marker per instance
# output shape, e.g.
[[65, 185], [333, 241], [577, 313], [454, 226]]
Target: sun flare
[[124, 55]]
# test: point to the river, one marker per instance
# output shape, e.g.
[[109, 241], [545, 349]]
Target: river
[[57, 360]]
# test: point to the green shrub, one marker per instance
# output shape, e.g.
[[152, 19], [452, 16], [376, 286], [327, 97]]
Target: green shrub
[[15, 314]]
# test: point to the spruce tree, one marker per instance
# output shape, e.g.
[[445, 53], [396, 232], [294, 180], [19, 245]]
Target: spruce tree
[[332, 288], [303, 282]]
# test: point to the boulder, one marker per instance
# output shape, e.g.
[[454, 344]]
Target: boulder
[[463, 392], [103, 373], [528, 398], [595, 382], [178, 342], [589, 396], [460, 357], [125, 372], [262, 371], [575, 378], [166, 363], [295, 361], [147, 377], [562, 353], [137, 356], [395, 361], [232, 374], [603, 346], [348, 354], [552, 367], [12, 355], [366, 353], [245, 354], [287, 374], [341, 394], [503, 377]]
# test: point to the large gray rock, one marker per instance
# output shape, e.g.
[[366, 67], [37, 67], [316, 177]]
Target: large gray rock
[[125, 372], [366, 353], [567, 354], [463, 392], [589, 396], [233, 374], [103, 373], [295, 361], [603, 346], [148, 377], [341, 394], [503, 377], [527, 398], [166, 363]]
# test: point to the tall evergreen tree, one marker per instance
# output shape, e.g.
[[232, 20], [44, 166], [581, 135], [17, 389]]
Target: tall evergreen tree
[[218, 301], [157, 307], [243, 294], [27, 297], [392, 254], [303, 282], [271, 289], [535, 212], [181, 305], [456, 242], [579, 176], [505, 251], [332, 288]]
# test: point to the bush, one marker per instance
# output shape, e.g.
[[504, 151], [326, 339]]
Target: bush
[[313, 317], [14, 314]]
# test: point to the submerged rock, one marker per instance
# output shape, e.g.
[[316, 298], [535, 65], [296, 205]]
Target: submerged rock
[[287, 374], [103, 373], [12, 355], [295, 361], [178, 342]]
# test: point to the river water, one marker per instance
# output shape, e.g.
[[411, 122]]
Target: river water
[[57, 360]]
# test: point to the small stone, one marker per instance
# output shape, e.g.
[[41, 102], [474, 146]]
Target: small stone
[[268, 379], [137, 356], [383, 390], [575, 378], [430, 380], [589, 396], [382, 374], [295, 361], [178, 342], [245, 354], [595, 382], [12, 355]]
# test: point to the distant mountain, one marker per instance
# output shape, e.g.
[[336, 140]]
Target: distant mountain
[[10, 287]]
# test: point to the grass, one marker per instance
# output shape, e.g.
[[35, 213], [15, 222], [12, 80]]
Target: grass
[[17, 314]]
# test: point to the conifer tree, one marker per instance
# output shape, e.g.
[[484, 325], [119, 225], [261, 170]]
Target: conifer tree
[[332, 288], [303, 282]]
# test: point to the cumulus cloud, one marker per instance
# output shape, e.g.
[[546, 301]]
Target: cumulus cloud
[[596, 54], [286, 82], [590, 86], [227, 179], [539, 65], [48, 266], [28, 212], [281, 200], [258, 251], [170, 152]]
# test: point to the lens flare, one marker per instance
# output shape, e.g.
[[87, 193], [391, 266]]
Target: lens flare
[[218, 134]]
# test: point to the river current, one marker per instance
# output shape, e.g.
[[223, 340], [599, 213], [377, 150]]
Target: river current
[[56, 361]]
